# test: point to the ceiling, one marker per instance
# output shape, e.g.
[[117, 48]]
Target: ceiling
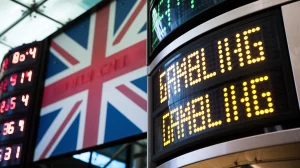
[[24, 21]]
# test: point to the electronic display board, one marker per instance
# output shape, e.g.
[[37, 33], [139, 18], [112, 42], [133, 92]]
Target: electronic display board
[[10, 155], [167, 15], [16, 81], [14, 104], [228, 81], [18, 87], [12, 129], [19, 58]]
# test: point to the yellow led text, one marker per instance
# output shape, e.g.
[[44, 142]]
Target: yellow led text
[[193, 68]]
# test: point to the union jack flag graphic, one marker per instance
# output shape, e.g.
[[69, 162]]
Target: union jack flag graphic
[[95, 90]]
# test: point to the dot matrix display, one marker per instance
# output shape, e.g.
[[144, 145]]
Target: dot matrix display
[[16, 81], [196, 67], [14, 104], [215, 56], [12, 129], [167, 15], [230, 78], [236, 102]]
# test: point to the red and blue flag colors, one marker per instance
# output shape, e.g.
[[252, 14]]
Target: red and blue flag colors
[[96, 86]]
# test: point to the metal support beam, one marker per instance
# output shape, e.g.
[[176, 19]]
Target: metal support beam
[[34, 8], [129, 156], [30, 10], [17, 2], [116, 154], [6, 44], [50, 18]]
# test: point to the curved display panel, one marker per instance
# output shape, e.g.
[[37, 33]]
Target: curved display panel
[[14, 104], [11, 129], [242, 101], [220, 54], [18, 89], [168, 15], [19, 58], [229, 81], [16, 81]]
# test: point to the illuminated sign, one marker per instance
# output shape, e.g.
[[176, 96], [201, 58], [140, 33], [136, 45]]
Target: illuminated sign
[[10, 155], [215, 56], [19, 58], [18, 83], [237, 102], [230, 80], [168, 15], [11, 129]]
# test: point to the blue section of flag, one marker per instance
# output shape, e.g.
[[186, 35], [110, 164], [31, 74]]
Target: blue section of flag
[[69, 142], [123, 7], [80, 32], [141, 83], [144, 28], [55, 66], [45, 122], [117, 125]]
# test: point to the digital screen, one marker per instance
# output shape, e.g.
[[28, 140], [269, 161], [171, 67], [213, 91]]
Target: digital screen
[[168, 15], [251, 98], [19, 58], [230, 78], [10, 155], [14, 104], [12, 129], [16, 81], [214, 56]]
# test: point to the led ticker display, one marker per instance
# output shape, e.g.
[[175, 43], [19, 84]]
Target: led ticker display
[[215, 56], [19, 58], [247, 99], [19, 85], [10, 155], [16, 81], [12, 129], [168, 15], [233, 78], [14, 104]]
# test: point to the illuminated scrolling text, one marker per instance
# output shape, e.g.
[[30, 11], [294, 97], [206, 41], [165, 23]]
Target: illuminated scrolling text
[[194, 68], [239, 102]]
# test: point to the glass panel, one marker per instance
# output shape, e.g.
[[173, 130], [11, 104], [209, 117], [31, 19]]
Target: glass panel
[[64, 11], [103, 156], [85, 157], [11, 9], [29, 2], [75, 161], [34, 27], [3, 50], [139, 154], [101, 160]]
